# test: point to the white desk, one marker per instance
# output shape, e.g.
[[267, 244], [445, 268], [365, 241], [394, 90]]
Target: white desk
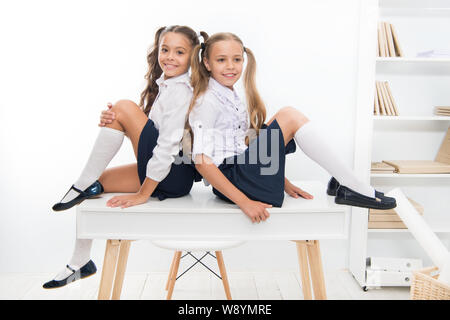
[[203, 216]]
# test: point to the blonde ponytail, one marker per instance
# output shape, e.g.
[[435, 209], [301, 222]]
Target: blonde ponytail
[[256, 107]]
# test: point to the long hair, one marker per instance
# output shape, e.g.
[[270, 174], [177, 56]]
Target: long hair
[[150, 93], [200, 78]]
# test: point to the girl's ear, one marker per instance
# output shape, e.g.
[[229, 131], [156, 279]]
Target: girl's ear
[[205, 62]]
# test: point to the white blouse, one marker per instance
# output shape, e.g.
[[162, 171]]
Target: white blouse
[[220, 123], [169, 112]]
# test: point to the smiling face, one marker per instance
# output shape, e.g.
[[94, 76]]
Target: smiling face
[[174, 54], [225, 61]]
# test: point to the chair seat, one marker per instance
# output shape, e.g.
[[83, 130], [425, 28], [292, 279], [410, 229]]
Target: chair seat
[[180, 245]]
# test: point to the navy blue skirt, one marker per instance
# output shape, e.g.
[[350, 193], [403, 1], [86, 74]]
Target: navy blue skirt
[[181, 177], [259, 171]]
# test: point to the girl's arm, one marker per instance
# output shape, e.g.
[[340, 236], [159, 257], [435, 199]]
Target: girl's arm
[[255, 210], [140, 197], [175, 104]]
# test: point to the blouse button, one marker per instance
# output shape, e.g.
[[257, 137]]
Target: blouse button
[[199, 125]]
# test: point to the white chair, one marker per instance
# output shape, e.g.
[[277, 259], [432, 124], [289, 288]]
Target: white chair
[[195, 246]]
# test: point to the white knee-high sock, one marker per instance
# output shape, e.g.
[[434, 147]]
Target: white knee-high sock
[[105, 148], [310, 140], [81, 255]]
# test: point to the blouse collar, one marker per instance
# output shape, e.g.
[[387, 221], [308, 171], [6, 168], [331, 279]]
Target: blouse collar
[[223, 91], [183, 78]]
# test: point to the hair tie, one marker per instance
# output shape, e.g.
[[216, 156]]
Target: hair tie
[[245, 49], [203, 45]]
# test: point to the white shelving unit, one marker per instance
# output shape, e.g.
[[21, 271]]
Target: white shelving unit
[[418, 85]]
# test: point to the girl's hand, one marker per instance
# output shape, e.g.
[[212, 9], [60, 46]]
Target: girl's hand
[[126, 201], [256, 210], [107, 116], [295, 191]]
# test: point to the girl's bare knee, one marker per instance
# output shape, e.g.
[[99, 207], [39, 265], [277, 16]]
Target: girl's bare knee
[[293, 116], [124, 106]]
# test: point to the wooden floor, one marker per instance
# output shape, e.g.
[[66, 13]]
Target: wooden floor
[[197, 285]]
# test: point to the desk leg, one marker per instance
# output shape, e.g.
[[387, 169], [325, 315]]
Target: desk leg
[[121, 267], [223, 273], [174, 274], [316, 268], [171, 270], [304, 269], [109, 268]]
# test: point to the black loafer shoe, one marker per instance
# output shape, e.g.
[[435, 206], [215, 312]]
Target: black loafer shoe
[[349, 197], [333, 185], [93, 191], [85, 271]]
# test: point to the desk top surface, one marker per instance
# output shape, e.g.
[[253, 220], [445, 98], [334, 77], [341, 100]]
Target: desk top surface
[[202, 200]]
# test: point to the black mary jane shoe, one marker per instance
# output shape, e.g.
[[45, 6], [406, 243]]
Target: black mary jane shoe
[[85, 271], [93, 191], [333, 185], [349, 197]]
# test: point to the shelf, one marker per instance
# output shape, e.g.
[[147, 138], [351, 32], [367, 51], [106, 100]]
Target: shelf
[[411, 60], [435, 229], [414, 4], [436, 12], [432, 66], [411, 118], [406, 175]]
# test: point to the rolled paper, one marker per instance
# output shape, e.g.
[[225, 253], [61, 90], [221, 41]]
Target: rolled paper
[[423, 234]]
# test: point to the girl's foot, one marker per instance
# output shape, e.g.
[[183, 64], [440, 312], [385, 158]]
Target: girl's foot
[[349, 197], [94, 190], [85, 271], [333, 185]]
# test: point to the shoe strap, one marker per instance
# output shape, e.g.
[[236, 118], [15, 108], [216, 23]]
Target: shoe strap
[[76, 189], [71, 269]]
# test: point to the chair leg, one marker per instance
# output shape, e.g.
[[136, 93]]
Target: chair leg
[[171, 270], [121, 267], [109, 268], [223, 274], [304, 269], [174, 275], [315, 261]]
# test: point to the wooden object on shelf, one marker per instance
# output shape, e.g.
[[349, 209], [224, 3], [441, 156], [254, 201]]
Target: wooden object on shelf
[[381, 167], [389, 38], [442, 111], [392, 214], [391, 97], [398, 49], [418, 166], [387, 101], [380, 99], [376, 105], [381, 40], [384, 101], [388, 44], [443, 155], [389, 219], [386, 225]]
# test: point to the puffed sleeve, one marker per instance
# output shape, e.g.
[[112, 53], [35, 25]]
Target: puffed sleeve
[[175, 104], [202, 120]]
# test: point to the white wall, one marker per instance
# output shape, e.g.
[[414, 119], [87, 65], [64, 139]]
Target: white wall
[[62, 61]]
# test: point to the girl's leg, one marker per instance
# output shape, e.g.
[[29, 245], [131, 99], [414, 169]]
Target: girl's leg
[[295, 125], [118, 179], [129, 121]]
